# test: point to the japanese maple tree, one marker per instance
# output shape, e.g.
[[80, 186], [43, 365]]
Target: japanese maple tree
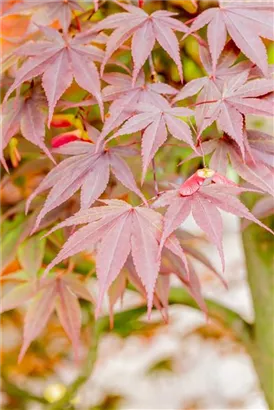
[[127, 142]]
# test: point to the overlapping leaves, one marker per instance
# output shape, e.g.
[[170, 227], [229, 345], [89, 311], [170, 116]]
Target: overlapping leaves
[[59, 59], [203, 195], [145, 30], [120, 230], [245, 23], [28, 114], [88, 168]]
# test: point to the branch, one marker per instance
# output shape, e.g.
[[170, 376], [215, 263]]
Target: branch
[[84, 376], [15, 391], [258, 248]]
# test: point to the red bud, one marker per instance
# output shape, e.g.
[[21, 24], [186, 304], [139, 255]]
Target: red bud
[[63, 139]]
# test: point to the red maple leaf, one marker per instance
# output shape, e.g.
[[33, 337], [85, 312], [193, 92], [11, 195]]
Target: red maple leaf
[[225, 69], [237, 98], [170, 264]]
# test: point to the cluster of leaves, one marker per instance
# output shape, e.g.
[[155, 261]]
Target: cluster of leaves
[[134, 243]]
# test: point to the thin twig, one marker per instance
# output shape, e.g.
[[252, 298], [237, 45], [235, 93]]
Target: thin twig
[[155, 177], [154, 78], [153, 72]]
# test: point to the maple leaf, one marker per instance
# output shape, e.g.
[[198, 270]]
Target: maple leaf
[[225, 69], [260, 146], [120, 229], [146, 30], [60, 293], [257, 166], [128, 274], [237, 98], [47, 11], [126, 97], [87, 168], [190, 282], [155, 121], [59, 59], [120, 86], [26, 113], [245, 23], [262, 209], [170, 264], [30, 255], [203, 201]]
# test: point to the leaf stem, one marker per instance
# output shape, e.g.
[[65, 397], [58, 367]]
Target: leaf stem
[[153, 72], [228, 317]]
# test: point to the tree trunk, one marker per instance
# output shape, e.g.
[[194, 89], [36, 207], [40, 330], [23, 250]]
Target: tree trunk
[[258, 247]]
